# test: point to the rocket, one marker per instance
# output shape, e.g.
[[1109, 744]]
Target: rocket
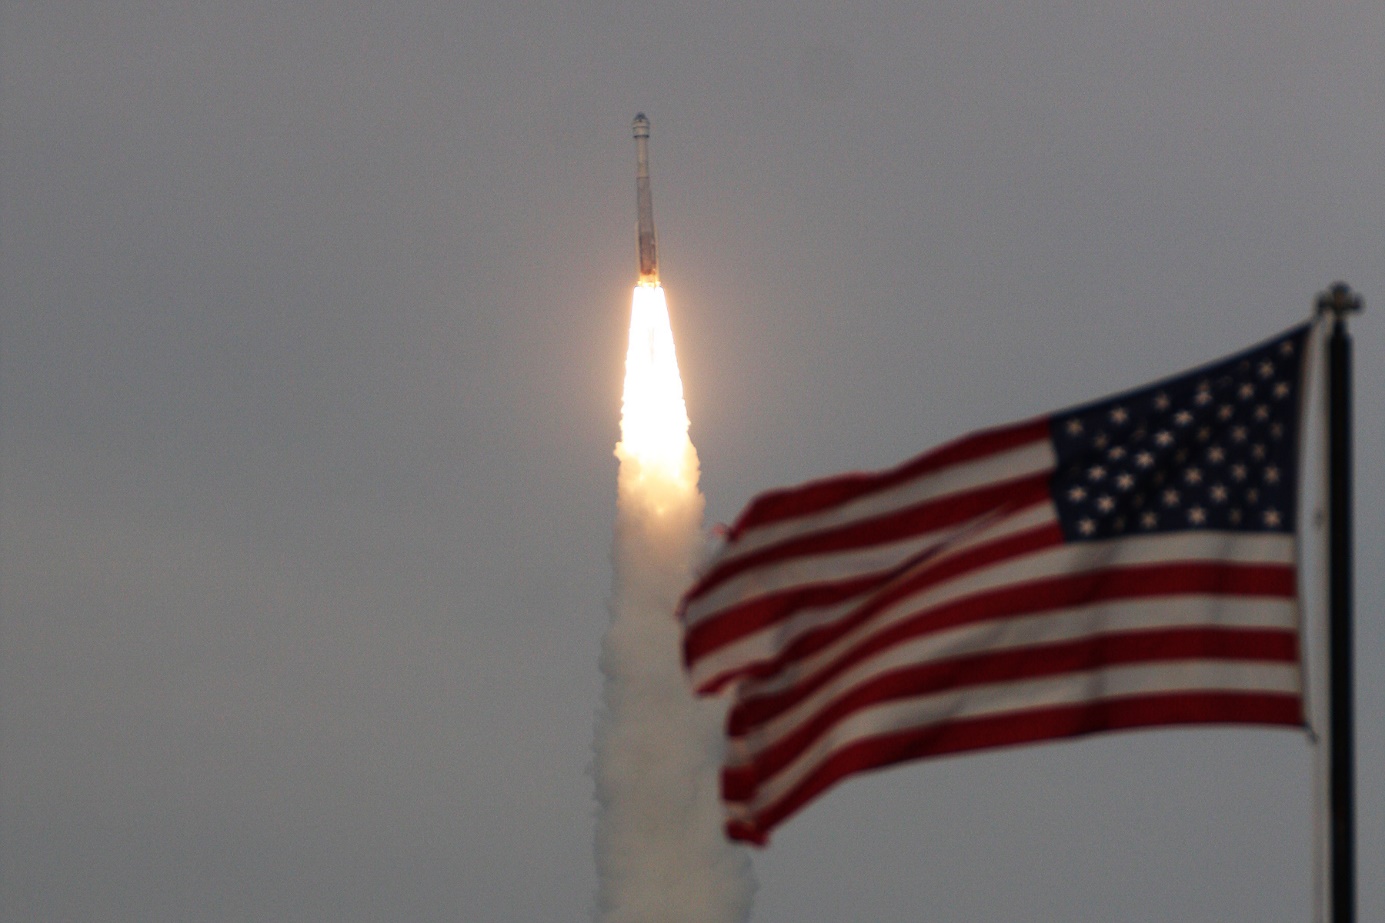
[[649, 256]]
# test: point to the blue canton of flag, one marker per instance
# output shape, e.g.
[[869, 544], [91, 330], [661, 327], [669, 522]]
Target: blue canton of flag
[[1213, 449]]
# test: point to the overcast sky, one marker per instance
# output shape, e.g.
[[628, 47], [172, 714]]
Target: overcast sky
[[312, 318]]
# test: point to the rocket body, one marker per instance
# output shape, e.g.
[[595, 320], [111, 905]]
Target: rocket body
[[649, 254]]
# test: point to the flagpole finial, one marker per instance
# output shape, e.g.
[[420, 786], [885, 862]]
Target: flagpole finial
[[1339, 301]]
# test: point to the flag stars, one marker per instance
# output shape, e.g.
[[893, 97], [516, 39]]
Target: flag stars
[[1271, 517], [1205, 452]]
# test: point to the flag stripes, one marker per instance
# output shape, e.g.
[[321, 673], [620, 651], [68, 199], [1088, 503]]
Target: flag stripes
[[931, 602], [821, 615], [823, 566], [997, 623], [931, 677], [875, 545], [1089, 625], [1011, 724], [843, 492]]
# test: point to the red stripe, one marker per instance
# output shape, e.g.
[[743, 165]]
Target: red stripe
[[1049, 594], [1036, 662], [1018, 728], [761, 613], [816, 496], [896, 525]]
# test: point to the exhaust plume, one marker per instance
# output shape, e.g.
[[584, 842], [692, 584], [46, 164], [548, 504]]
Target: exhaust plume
[[661, 855]]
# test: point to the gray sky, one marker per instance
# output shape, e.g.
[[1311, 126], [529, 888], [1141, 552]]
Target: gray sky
[[312, 326]]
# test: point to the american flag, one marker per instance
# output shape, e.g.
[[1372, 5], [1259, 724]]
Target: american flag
[[1127, 563]]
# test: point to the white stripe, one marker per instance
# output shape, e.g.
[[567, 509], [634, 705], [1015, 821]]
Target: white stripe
[[959, 477], [1069, 689], [765, 644], [1103, 619], [1062, 560]]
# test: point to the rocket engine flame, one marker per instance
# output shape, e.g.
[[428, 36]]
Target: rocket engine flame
[[660, 852], [654, 418]]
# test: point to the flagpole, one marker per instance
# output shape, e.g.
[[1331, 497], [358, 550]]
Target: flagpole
[[1339, 301]]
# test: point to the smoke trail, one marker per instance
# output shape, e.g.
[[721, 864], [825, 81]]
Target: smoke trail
[[661, 856]]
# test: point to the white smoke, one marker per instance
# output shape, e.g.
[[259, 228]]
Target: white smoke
[[660, 851]]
